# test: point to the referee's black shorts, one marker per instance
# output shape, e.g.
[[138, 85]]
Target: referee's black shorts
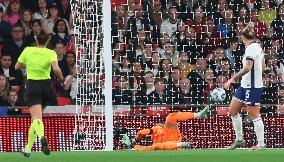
[[40, 92]]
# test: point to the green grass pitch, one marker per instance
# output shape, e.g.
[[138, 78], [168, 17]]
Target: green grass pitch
[[207, 155]]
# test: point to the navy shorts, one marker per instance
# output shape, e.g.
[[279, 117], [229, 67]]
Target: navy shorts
[[249, 96]]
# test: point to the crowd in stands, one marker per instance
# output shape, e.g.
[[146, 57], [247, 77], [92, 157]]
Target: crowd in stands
[[20, 22], [177, 51]]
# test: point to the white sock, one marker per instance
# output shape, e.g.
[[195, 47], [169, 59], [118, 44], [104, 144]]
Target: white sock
[[238, 126], [259, 131]]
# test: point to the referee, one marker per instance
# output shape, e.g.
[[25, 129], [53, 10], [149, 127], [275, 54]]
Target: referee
[[39, 91]]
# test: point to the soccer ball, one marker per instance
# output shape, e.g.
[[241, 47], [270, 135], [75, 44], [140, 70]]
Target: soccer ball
[[218, 95]]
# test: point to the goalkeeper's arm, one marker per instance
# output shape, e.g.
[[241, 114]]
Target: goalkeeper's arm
[[142, 133]]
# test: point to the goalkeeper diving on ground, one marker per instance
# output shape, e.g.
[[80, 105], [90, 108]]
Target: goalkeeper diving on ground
[[165, 136]]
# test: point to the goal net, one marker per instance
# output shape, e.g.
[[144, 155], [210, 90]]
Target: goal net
[[90, 121]]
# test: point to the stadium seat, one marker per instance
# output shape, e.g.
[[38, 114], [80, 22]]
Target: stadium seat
[[3, 111], [62, 101]]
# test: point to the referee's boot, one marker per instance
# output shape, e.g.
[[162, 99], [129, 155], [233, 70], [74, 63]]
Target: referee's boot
[[44, 146], [25, 153]]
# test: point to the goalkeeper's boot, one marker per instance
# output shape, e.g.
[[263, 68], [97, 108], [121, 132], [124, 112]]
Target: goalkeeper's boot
[[44, 146], [237, 144], [184, 145], [25, 153], [258, 148], [127, 141], [203, 113]]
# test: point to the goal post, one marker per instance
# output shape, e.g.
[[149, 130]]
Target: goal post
[[107, 53], [94, 112]]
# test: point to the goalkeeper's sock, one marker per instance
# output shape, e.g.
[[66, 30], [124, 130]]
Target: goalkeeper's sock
[[259, 131], [39, 127], [179, 116], [238, 126], [31, 139]]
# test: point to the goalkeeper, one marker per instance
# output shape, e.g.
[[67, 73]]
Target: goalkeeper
[[39, 91], [165, 136]]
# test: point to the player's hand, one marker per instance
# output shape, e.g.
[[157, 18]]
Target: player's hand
[[228, 83]]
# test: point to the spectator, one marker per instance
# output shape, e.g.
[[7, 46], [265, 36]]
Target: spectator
[[65, 8], [278, 23], [157, 15], [266, 14], [174, 81], [197, 81], [122, 94], [243, 14], [61, 33], [183, 64], [16, 44], [164, 38], [228, 25], [14, 76], [269, 95], [71, 85], [225, 67], [4, 5], [26, 21], [219, 16], [118, 51], [136, 78], [198, 20], [125, 66], [179, 36], [153, 65], [13, 12], [36, 27], [146, 54], [169, 26], [184, 95], [165, 70], [68, 63], [60, 51], [42, 11], [215, 60], [4, 90], [160, 96], [119, 23], [5, 27], [53, 16], [210, 82], [259, 27], [210, 37], [137, 22], [13, 101], [192, 45], [149, 80], [231, 51], [170, 53]]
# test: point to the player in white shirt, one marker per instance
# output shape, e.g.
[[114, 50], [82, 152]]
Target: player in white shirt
[[250, 91]]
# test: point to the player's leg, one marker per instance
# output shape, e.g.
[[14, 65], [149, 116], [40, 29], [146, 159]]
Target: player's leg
[[143, 148], [170, 145], [253, 101], [236, 105], [173, 118]]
